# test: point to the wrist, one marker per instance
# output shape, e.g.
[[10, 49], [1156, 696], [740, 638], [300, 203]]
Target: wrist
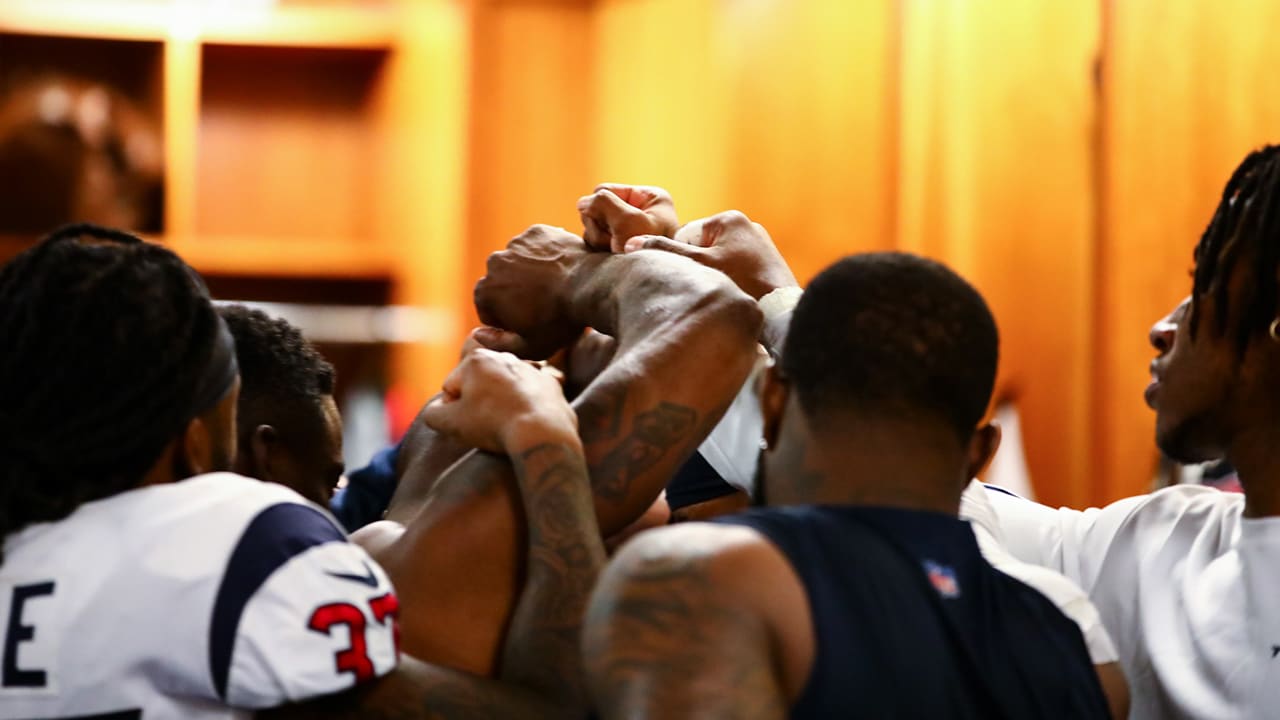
[[586, 295], [779, 301], [777, 306], [534, 427]]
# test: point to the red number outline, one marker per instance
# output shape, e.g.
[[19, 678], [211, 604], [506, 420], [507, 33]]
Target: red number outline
[[355, 659]]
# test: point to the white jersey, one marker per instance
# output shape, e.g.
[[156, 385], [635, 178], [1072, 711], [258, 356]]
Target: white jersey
[[1186, 585], [187, 600]]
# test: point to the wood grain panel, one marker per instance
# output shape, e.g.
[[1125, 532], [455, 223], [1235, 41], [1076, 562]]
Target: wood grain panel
[[285, 142], [420, 111], [996, 168], [531, 106], [1190, 89]]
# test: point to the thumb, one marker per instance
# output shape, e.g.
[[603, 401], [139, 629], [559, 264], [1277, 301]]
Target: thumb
[[501, 340], [657, 242], [438, 415]]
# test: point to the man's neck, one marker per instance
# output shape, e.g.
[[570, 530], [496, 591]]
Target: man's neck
[[1255, 454], [884, 464]]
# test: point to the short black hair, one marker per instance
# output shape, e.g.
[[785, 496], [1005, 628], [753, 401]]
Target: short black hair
[[1246, 222], [282, 376], [893, 334], [106, 339]]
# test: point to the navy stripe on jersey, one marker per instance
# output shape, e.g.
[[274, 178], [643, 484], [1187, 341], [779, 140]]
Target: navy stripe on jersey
[[272, 538], [121, 715], [999, 489]]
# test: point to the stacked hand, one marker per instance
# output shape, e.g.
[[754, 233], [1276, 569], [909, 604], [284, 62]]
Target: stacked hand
[[616, 213], [731, 243], [524, 295], [496, 402], [626, 218]]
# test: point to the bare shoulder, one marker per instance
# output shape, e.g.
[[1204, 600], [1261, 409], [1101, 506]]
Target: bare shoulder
[[711, 614], [730, 557], [690, 578]]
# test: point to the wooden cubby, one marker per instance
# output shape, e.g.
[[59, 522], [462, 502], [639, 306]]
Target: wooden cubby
[[132, 67], [289, 131], [284, 143]]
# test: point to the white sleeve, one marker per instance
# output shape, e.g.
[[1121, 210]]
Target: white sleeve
[[777, 308], [1072, 542], [733, 447], [301, 613]]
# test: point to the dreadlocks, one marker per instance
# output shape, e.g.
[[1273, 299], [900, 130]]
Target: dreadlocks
[[1247, 220], [106, 341]]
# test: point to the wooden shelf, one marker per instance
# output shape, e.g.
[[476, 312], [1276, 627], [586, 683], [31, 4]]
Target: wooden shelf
[[291, 257], [313, 149], [263, 256], [336, 26], [371, 28], [123, 20]]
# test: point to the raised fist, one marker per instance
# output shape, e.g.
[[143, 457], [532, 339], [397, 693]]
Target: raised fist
[[494, 400], [525, 292], [731, 243], [616, 213]]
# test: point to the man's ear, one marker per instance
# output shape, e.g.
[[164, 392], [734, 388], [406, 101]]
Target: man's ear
[[982, 447], [262, 446], [196, 449], [774, 392]]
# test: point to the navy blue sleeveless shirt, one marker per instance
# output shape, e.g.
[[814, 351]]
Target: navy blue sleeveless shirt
[[910, 621]]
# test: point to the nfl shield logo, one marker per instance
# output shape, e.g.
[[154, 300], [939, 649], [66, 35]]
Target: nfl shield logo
[[943, 578]]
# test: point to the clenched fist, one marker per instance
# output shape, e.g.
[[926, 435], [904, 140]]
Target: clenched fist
[[731, 243], [494, 401], [525, 292], [616, 213]]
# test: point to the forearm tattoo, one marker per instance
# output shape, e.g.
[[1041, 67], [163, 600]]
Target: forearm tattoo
[[653, 434], [565, 554]]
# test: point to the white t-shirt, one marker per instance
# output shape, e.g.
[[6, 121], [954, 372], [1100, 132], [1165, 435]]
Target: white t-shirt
[[1189, 589], [186, 600]]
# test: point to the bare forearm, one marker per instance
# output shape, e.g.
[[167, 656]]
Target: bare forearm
[[424, 456], [418, 691], [687, 339], [565, 555], [628, 296]]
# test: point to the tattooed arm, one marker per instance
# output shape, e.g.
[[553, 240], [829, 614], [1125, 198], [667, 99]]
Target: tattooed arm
[[685, 343], [686, 338], [498, 403], [420, 691], [501, 405], [697, 621]]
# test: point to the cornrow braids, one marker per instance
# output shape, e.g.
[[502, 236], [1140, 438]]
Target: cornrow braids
[[106, 338], [1246, 221]]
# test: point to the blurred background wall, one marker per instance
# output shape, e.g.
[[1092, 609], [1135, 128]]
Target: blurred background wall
[[367, 156]]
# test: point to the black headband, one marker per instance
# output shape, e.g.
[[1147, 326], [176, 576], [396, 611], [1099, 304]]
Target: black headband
[[220, 372]]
